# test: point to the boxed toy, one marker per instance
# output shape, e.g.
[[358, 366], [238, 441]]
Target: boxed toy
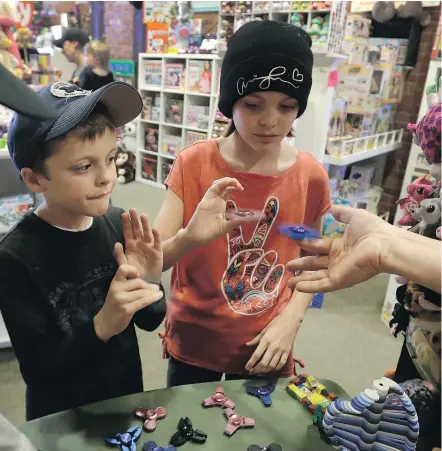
[[174, 111], [151, 139], [149, 167], [200, 76], [357, 26], [355, 49], [152, 72], [166, 167], [171, 144], [355, 81], [13, 208], [338, 117], [387, 51], [174, 76], [198, 116], [193, 137]]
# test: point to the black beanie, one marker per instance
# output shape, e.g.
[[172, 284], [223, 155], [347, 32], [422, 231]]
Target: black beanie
[[266, 56]]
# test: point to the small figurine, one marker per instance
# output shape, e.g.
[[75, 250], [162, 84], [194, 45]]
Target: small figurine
[[186, 433], [126, 440], [299, 232], [235, 422], [219, 399], [152, 446], [271, 447], [263, 392], [150, 417]]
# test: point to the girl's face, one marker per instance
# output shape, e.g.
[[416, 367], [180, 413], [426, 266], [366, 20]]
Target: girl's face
[[264, 119]]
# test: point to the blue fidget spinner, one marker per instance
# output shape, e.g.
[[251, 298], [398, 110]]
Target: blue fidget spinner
[[263, 392], [126, 440], [299, 232], [152, 446]]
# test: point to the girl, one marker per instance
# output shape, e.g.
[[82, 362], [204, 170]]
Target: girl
[[230, 310]]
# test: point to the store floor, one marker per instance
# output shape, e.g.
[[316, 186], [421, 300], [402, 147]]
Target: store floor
[[345, 341]]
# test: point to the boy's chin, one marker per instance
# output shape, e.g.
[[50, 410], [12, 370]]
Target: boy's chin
[[98, 209]]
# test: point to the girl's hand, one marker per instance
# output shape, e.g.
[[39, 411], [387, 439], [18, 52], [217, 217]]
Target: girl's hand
[[142, 246], [275, 343], [209, 221]]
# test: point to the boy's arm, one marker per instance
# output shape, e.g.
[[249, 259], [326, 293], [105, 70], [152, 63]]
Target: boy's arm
[[45, 357], [150, 317]]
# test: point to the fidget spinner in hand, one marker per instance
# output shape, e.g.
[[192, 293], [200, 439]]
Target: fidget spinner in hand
[[150, 417], [299, 232], [126, 440], [262, 392], [235, 422], [186, 433], [218, 399]]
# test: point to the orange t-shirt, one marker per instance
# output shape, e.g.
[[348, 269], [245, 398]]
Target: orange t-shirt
[[225, 293]]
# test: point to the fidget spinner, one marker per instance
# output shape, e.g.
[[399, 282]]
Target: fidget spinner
[[126, 440], [263, 392], [218, 399], [150, 417], [241, 213], [299, 232], [271, 447], [235, 422], [186, 433], [152, 446]]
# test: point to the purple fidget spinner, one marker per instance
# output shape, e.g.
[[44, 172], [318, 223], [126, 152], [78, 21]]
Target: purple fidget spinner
[[152, 446], [126, 440], [299, 232]]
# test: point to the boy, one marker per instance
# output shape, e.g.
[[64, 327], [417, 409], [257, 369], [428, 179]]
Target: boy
[[69, 303], [72, 42], [96, 74]]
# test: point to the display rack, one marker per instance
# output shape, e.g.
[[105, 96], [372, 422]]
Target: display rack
[[154, 164]]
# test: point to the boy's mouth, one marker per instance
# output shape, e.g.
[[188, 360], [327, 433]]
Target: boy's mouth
[[101, 196]]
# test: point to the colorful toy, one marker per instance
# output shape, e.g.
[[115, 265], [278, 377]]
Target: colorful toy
[[271, 447], [150, 417], [381, 418], [186, 433], [262, 392], [219, 399], [235, 422], [310, 392], [126, 440], [152, 446], [299, 232]]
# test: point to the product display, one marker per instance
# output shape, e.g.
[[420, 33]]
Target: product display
[[126, 441]]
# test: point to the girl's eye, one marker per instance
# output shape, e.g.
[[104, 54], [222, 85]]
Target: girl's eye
[[252, 106], [289, 107], [83, 168]]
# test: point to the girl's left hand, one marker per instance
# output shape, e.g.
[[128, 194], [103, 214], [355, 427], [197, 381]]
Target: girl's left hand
[[143, 248], [275, 343]]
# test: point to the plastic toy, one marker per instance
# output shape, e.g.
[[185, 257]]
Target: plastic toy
[[150, 417], [299, 232], [186, 433], [271, 447], [310, 393], [381, 418], [241, 213], [152, 446], [263, 392], [235, 422], [126, 440], [218, 399]]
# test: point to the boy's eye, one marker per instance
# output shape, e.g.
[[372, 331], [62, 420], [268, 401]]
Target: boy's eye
[[83, 168]]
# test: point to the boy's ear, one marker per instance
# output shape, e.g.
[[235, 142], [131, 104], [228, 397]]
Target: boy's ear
[[33, 180]]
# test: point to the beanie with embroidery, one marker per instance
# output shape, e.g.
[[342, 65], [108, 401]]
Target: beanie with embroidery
[[266, 56]]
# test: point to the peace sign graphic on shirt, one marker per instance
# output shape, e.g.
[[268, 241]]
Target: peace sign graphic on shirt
[[251, 281]]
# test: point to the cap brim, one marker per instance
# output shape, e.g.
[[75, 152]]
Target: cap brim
[[58, 43], [122, 101], [15, 95]]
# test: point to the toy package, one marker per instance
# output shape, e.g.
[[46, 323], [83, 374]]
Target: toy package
[[152, 72], [151, 105], [200, 76], [198, 117], [149, 165], [357, 26], [387, 51], [166, 167], [338, 117], [356, 49], [171, 144], [151, 139], [193, 137], [174, 76], [174, 111], [13, 208], [355, 84]]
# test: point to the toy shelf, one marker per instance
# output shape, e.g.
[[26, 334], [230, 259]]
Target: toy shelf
[[173, 116], [366, 147]]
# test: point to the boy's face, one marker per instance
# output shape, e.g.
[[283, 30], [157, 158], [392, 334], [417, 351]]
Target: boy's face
[[70, 50], [91, 61], [81, 175]]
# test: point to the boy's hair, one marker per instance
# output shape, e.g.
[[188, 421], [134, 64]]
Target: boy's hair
[[100, 51], [95, 125], [232, 128]]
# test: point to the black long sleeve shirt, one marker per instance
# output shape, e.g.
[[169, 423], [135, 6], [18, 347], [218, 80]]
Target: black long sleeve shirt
[[52, 284]]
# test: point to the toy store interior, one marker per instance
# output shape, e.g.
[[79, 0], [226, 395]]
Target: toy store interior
[[376, 79]]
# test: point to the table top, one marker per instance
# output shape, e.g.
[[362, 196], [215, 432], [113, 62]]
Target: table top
[[286, 421]]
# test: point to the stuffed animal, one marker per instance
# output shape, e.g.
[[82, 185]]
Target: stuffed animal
[[130, 136], [385, 11], [125, 164]]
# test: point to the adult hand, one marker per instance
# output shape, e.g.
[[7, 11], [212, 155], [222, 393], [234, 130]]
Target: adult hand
[[275, 343], [127, 294], [347, 261], [143, 248], [209, 221]]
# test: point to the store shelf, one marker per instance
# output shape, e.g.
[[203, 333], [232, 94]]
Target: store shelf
[[393, 138]]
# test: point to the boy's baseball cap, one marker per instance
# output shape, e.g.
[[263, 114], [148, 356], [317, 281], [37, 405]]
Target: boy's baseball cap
[[15, 95], [72, 35], [26, 135]]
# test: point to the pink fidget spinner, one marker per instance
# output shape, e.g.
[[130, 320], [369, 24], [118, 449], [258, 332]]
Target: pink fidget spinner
[[218, 399], [235, 422], [150, 416]]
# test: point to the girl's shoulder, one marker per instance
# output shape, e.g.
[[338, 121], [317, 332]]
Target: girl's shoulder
[[199, 151], [311, 165]]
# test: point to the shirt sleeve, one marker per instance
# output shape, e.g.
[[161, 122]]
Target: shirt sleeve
[[44, 354], [150, 317], [84, 79], [175, 179], [324, 201]]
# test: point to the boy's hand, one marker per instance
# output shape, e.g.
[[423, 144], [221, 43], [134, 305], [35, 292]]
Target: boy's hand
[[143, 246], [127, 294]]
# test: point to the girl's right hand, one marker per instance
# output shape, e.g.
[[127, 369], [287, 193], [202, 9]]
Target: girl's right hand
[[209, 221]]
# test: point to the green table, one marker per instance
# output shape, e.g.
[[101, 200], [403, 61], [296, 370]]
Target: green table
[[286, 422]]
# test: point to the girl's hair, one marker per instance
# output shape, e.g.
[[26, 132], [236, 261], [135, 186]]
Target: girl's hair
[[100, 51], [232, 128]]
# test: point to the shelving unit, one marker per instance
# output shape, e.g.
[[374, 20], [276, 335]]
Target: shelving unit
[[154, 164]]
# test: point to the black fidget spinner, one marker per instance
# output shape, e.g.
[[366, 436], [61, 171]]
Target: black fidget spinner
[[186, 433], [271, 447]]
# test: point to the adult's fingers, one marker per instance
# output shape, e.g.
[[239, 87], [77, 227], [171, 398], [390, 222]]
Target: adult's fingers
[[344, 214], [139, 284], [310, 263], [147, 231], [144, 301], [317, 246], [135, 223], [125, 272], [119, 254]]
